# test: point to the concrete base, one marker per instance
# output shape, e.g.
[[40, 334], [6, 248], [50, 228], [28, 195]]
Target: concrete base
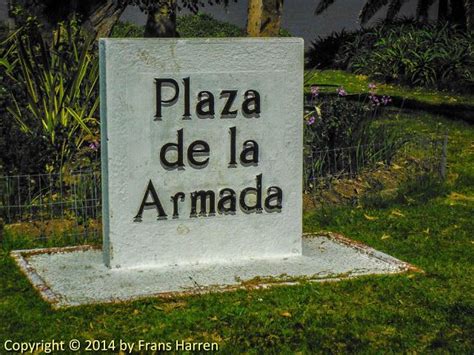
[[76, 275]]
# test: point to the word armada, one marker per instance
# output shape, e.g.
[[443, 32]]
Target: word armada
[[227, 203]]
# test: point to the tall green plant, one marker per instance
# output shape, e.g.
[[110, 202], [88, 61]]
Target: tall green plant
[[440, 57], [60, 82]]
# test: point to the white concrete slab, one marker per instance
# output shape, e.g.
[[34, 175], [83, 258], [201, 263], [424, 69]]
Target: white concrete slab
[[77, 275]]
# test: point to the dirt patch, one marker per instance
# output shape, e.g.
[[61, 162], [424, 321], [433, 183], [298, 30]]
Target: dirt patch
[[382, 178]]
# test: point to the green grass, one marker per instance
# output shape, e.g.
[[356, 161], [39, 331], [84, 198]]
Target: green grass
[[420, 312], [355, 84]]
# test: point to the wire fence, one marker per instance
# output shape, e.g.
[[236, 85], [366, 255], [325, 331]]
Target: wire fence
[[57, 209], [349, 162], [48, 207], [339, 175], [342, 162]]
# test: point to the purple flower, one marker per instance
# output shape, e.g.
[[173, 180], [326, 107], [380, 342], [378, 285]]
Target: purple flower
[[341, 91], [386, 100], [311, 120], [377, 101], [372, 86], [94, 145], [314, 91]]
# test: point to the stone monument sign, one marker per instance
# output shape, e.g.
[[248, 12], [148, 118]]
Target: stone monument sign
[[201, 150], [201, 178]]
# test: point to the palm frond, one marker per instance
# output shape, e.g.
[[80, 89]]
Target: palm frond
[[322, 6], [370, 9]]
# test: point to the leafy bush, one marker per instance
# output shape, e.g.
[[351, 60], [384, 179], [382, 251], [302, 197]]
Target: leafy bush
[[127, 30], [334, 121], [203, 25], [200, 25], [431, 57], [404, 51], [339, 123], [57, 91]]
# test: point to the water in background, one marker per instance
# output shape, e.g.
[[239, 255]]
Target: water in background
[[298, 16]]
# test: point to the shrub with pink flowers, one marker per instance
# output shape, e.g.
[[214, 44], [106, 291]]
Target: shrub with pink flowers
[[338, 124]]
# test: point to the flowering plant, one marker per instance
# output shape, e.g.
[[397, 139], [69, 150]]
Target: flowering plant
[[375, 100], [339, 137], [333, 122]]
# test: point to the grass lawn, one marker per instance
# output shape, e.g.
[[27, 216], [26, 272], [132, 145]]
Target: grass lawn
[[355, 84], [420, 312]]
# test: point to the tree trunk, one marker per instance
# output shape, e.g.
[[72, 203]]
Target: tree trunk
[[271, 19], [442, 10], [161, 21], [254, 17], [458, 12], [264, 18], [103, 17]]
